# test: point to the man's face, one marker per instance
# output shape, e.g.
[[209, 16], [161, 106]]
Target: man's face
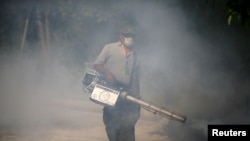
[[127, 40]]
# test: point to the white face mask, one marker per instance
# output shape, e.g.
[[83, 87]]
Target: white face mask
[[128, 42]]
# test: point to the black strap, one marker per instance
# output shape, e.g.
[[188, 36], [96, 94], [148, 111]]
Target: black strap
[[133, 67]]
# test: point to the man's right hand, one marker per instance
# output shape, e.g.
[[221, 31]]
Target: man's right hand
[[108, 75]]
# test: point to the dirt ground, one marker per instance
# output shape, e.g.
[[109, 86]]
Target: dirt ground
[[37, 106], [81, 121]]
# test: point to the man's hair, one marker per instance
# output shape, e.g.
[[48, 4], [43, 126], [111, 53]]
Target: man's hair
[[127, 30]]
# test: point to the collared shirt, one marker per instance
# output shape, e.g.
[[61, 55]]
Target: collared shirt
[[126, 52], [113, 58]]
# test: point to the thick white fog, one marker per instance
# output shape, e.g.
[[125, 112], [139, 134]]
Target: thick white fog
[[181, 69]]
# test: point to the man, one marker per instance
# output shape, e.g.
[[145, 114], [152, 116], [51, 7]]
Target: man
[[118, 63]]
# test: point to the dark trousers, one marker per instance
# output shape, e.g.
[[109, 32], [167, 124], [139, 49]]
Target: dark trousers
[[120, 121]]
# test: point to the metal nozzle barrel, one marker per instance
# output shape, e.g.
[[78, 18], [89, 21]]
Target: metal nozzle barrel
[[154, 109]]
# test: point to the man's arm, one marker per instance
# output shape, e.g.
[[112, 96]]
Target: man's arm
[[108, 75]]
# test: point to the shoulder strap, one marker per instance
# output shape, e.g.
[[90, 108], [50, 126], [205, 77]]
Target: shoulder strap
[[133, 67], [134, 61]]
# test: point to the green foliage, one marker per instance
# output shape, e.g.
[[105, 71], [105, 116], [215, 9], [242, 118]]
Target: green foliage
[[239, 9]]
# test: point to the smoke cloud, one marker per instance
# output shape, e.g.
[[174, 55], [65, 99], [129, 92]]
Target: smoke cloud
[[191, 71], [183, 68]]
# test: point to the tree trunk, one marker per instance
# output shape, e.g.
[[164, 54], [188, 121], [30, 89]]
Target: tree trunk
[[24, 35], [44, 35]]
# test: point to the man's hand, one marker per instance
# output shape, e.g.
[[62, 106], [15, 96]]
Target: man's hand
[[108, 75]]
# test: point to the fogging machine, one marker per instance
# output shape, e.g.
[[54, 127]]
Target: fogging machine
[[100, 92]]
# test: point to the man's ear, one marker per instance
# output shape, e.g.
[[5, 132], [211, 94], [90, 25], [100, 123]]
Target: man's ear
[[121, 38]]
